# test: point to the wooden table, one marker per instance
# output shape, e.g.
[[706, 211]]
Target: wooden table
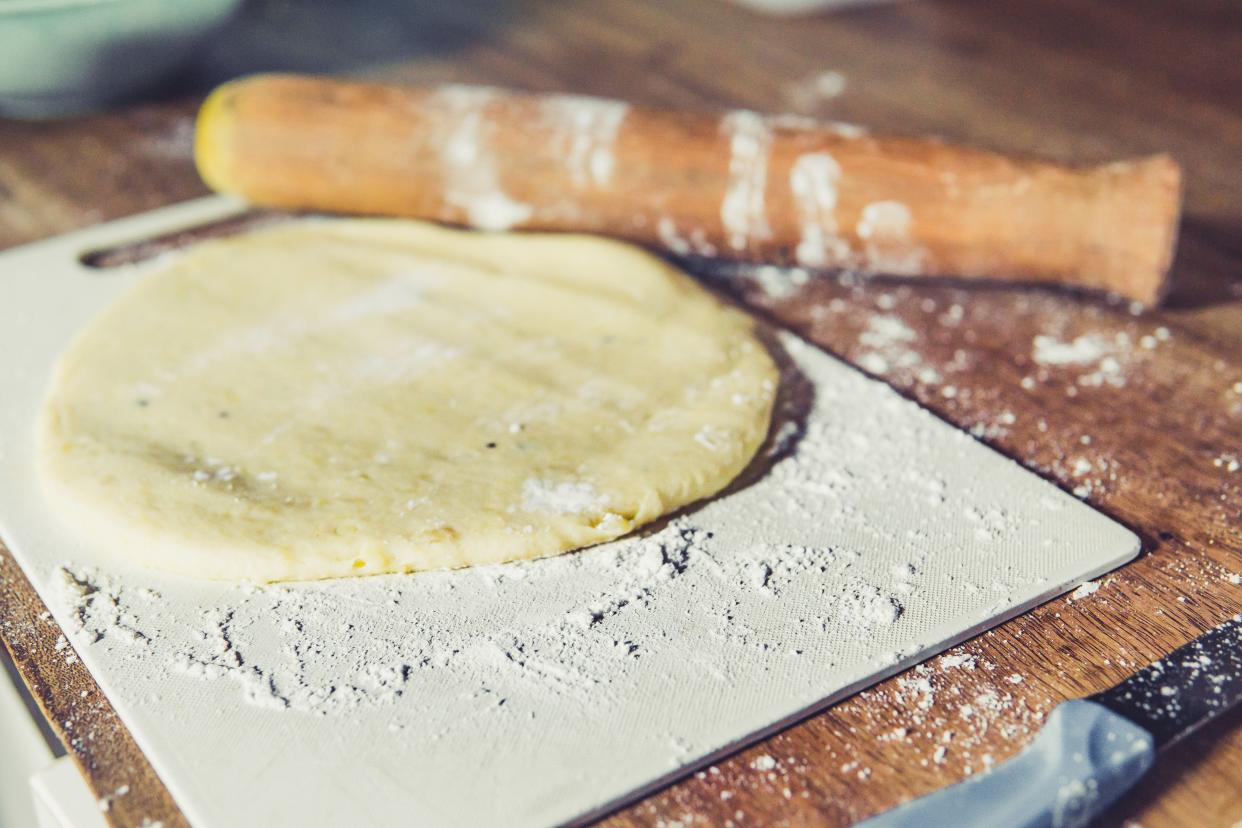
[[1149, 429]]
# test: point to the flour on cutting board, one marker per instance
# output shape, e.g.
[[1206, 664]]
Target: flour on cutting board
[[303, 648], [874, 523], [535, 693]]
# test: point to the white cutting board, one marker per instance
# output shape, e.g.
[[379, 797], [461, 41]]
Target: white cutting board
[[538, 693]]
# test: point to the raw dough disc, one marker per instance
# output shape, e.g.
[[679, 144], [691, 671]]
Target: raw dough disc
[[344, 397]]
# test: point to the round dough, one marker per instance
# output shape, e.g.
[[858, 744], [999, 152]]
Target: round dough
[[344, 397]]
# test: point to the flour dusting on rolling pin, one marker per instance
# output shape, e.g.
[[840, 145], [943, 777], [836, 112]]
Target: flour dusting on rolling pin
[[738, 185]]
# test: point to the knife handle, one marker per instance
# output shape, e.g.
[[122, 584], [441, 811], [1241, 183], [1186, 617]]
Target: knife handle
[[1084, 758]]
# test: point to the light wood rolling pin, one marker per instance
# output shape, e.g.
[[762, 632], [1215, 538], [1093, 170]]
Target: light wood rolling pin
[[739, 186]]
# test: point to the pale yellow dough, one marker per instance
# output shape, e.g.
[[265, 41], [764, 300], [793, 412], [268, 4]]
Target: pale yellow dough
[[345, 397]]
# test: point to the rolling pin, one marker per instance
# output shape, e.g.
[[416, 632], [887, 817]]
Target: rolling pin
[[737, 185]]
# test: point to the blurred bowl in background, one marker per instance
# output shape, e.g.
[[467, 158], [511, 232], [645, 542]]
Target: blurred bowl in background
[[60, 57]]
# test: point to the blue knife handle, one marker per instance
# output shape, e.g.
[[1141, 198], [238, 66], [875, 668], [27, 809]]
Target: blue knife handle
[[1083, 759]]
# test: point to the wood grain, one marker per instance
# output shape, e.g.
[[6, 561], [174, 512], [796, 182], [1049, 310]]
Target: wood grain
[[1077, 82]]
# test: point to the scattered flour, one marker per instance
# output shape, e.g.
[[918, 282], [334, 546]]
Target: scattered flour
[[97, 612], [743, 211], [962, 660], [1081, 466], [692, 242], [813, 180], [105, 801], [1227, 461], [1048, 350], [949, 714], [672, 240], [309, 648], [886, 348], [775, 282], [471, 180], [868, 606], [567, 497], [1084, 590], [764, 763], [1106, 358], [810, 93], [584, 131], [176, 142], [884, 227]]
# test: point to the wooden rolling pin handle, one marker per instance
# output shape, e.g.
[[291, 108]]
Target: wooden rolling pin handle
[[739, 185]]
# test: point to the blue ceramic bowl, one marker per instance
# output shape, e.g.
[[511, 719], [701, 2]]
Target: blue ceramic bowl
[[58, 57]]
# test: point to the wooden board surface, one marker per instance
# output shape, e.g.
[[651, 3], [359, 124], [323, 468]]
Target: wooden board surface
[[1147, 427]]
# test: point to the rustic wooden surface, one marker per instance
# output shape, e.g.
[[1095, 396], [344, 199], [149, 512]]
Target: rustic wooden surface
[[1146, 431]]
